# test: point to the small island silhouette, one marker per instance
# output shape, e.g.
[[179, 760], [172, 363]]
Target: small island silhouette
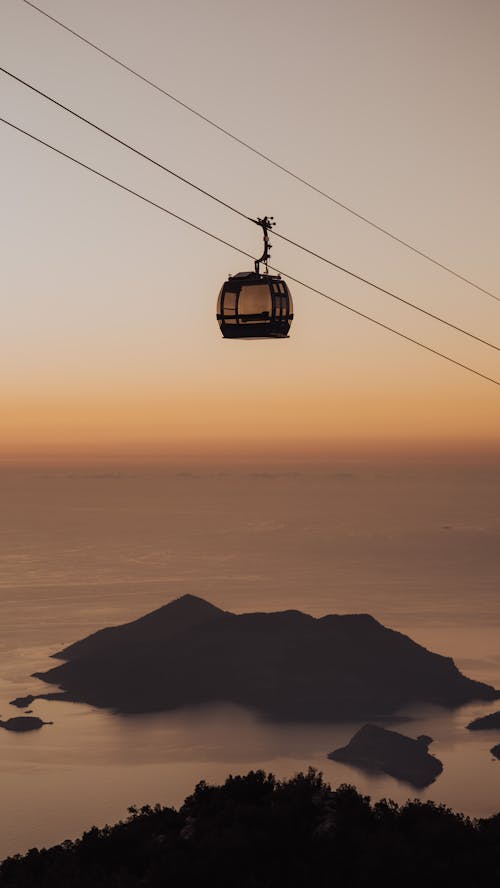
[[376, 749], [20, 724], [489, 722], [23, 702], [286, 665]]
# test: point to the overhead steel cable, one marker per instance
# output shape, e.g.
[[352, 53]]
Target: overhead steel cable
[[242, 252], [147, 200], [262, 154], [124, 144], [243, 215], [407, 302]]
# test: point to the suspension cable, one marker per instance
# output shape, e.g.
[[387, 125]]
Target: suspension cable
[[263, 155], [237, 249], [243, 215]]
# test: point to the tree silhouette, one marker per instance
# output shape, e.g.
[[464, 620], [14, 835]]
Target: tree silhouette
[[255, 831]]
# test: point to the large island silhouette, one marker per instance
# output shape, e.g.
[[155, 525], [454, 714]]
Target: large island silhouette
[[286, 665]]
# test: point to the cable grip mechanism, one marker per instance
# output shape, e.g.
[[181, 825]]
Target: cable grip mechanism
[[266, 224]]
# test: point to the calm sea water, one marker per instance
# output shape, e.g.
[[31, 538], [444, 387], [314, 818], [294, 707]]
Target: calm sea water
[[417, 546]]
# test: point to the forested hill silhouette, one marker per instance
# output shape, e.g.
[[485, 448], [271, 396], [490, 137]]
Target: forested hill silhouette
[[286, 664], [256, 831]]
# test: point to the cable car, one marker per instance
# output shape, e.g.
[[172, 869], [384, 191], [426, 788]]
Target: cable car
[[253, 305]]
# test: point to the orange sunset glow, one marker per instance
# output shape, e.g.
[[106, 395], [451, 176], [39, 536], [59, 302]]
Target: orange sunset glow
[[109, 332]]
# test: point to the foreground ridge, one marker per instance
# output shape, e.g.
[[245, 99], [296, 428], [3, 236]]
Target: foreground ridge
[[255, 830]]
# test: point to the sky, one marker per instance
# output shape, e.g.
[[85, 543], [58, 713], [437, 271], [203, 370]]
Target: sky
[[109, 343]]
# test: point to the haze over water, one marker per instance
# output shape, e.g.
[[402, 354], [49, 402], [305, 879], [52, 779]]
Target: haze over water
[[416, 544]]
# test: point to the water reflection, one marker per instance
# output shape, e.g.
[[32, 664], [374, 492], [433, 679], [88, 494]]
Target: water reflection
[[90, 765], [111, 549]]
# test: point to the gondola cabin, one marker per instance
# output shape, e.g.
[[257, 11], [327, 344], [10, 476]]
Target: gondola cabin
[[254, 306]]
